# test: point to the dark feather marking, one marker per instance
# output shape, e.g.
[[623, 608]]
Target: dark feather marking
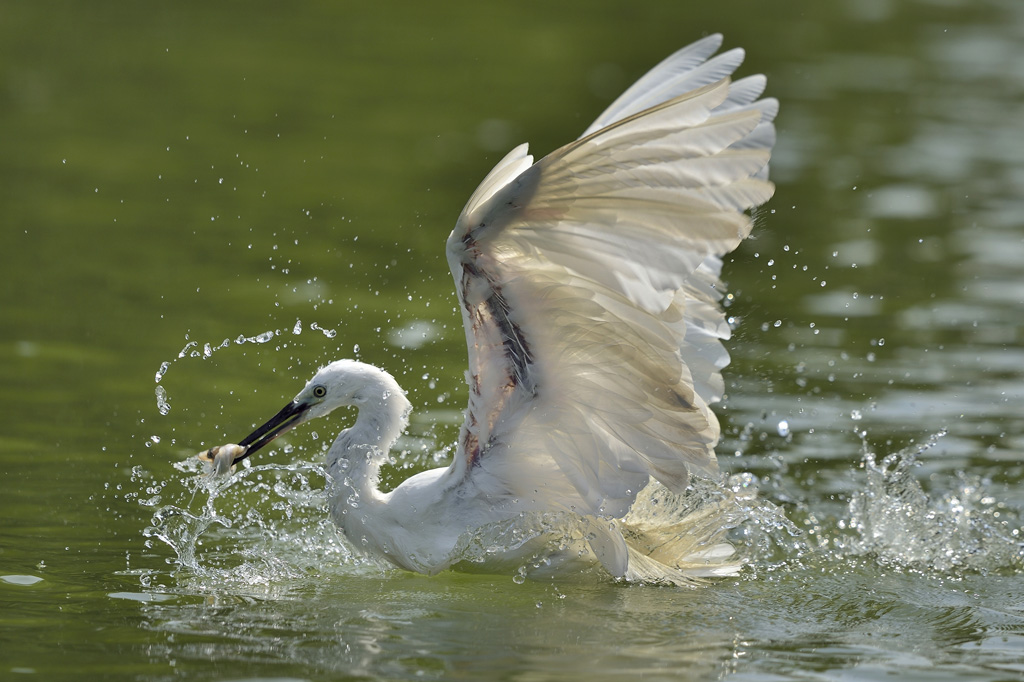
[[517, 350], [494, 310], [683, 402], [471, 445]]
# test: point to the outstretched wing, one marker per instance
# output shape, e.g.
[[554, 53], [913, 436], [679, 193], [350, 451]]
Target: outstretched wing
[[589, 288]]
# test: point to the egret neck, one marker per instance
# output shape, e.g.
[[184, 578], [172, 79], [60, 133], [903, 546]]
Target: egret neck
[[355, 458]]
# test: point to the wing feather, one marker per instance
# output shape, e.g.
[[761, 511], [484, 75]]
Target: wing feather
[[589, 287], [681, 72]]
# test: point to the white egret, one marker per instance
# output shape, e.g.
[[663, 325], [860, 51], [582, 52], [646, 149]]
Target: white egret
[[589, 288]]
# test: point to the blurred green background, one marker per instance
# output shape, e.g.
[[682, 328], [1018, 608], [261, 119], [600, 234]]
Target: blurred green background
[[177, 175]]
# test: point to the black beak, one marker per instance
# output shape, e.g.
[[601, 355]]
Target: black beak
[[280, 423]]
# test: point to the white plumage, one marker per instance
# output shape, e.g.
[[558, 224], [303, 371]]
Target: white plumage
[[589, 288]]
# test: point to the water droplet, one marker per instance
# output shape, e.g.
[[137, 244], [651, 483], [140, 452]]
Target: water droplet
[[163, 404], [743, 482], [783, 428], [188, 346], [164, 366]]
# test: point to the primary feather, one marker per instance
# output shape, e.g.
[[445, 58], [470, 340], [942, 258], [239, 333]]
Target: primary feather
[[589, 287]]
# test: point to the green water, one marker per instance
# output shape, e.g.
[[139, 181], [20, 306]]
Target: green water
[[174, 175]]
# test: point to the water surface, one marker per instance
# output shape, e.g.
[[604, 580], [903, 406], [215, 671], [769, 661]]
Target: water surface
[[244, 193]]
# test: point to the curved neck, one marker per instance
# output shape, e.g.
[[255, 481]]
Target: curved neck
[[354, 459]]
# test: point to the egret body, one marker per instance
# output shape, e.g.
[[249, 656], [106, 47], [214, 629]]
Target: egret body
[[589, 289]]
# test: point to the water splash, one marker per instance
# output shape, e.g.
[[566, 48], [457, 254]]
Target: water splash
[[260, 528], [672, 538], [206, 350], [267, 527], [963, 528]]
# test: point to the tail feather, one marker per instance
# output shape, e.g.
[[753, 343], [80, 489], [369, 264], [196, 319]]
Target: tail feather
[[680, 539]]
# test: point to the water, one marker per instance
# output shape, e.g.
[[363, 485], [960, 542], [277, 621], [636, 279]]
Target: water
[[200, 205]]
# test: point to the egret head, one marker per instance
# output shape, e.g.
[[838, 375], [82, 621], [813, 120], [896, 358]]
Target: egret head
[[343, 383]]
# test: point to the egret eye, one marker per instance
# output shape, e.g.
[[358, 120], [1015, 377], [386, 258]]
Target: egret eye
[[319, 391]]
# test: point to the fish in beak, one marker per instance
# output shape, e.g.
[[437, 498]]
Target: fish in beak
[[223, 457]]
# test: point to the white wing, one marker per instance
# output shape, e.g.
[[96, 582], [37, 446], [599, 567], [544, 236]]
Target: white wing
[[590, 294]]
